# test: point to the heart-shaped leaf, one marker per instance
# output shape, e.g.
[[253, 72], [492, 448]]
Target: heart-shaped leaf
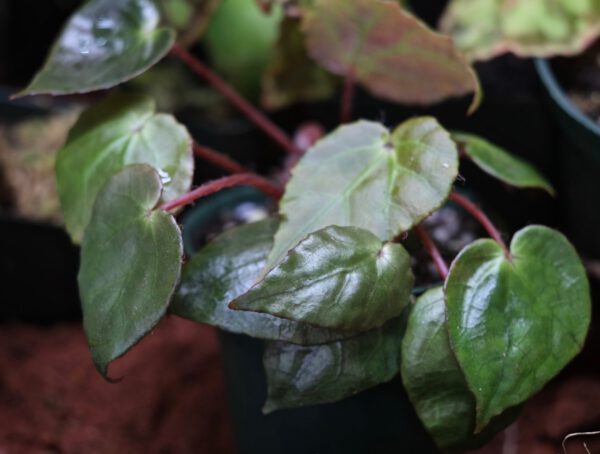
[[541, 28], [500, 164], [342, 278], [121, 130], [309, 375], [361, 175], [225, 269], [105, 43], [434, 381], [130, 264], [389, 51], [516, 321]]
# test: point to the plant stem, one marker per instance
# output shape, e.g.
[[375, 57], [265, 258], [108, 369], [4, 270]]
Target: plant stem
[[433, 251], [251, 112], [218, 159], [481, 217], [242, 179], [347, 98]]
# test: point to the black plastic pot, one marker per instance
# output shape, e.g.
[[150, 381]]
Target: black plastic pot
[[578, 145]]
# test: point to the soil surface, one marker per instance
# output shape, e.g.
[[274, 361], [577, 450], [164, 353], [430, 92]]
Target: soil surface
[[172, 398]]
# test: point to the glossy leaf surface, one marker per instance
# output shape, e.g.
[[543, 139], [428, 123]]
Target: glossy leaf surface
[[362, 175], [105, 43], [341, 278], [226, 268], [434, 381], [500, 164], [515, 323], [130, 264], [486, 28], [121, 130], [309, 375], [389, 51]]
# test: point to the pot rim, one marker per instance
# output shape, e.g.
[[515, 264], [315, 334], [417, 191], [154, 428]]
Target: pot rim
[[559, 96]]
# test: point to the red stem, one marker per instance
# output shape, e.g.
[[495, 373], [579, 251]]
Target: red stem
[[242, 179], [347, 98], [433, 251], [218, 159], [253, 114], [481, 217]]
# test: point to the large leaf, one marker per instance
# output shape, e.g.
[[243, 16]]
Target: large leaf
[[225, 269], [516, 321], [310, 375], [361, 175], [130, 264], [486, 28], [500, 164], [433, 379], [388, 50], [106, 42], [121, 130], [338, 277]]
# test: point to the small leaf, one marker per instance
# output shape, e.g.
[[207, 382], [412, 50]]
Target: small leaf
[[105, 43], [189, 17], [120, 130], [130, 264], [500, 164], [540, 28], [338, 277], [389, 51], [225, 269], [310, 375], [515, 322], [361, 175], [434, 382]]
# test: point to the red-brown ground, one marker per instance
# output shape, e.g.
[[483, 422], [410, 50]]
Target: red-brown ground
[[172, 399]]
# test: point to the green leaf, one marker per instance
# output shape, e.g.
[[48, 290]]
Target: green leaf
[[540, 28], [226, 268], [310, 375], [342, 278], [120, 130], [500, 164], [516, 321], [434, 381], [130, 264], [189, 17], [105, 43], [389, 51], [361, 175]]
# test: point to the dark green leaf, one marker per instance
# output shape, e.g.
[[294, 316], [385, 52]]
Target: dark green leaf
[[105, 43], [130, 264], [362, 175], [434, 382], [225, 269], [515, 322], [388, 50], [338, 277], [500, 164], [310, 375], [121, 130]]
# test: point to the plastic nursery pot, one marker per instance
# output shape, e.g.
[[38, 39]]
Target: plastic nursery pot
[[579, 158], [380, 420]]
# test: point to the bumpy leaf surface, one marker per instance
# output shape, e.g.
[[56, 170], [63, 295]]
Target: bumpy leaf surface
[[225, 269], [500, 164], [388, 50], [310, 375], [121, 130], [105, 42], [362, 175], [486, 28], [515, 322], [341, 278], [130, 264]]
